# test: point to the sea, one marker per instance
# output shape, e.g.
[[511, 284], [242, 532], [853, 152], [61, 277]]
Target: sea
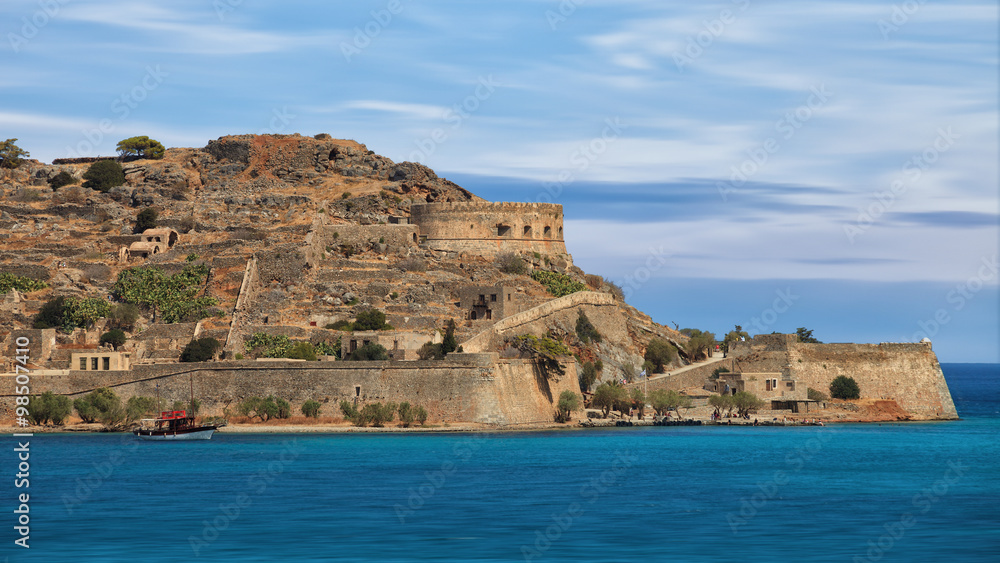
[[849, 492]]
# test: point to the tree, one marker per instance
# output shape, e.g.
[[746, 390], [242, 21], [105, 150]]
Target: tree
[[10, 154], [588, 375], [139, 406], [51, 314], [699, 343], [348, 409], [49, 406], [104, 175], [311, 408], [568, 402], [806, 336], [124, 316], [638, 400], [200, 350], [430, 351], [370, 352], [265, 408], [843, 387], [608, 396], [722, 403], [141, 147], [421, 415], [449, 344], [406, 414], [146, 219], [660, 353], [547, 351], [585, 330], [664, 400], [62, 179], [373, 319], [115, 337], [746, 403], [101, 404], [735, 335]]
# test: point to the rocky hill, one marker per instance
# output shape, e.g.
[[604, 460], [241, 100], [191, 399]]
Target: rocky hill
[[252, 208]]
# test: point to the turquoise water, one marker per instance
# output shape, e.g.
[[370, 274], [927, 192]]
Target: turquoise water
[[892, 492]]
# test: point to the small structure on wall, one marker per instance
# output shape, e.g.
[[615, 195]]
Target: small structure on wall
[[100, 360], [486, 302], [152, 241], [400, 345]]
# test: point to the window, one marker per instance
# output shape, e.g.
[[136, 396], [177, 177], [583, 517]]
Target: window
[[767, 384], [527, 231], [354, 345], [83, 364], [489, 314], [107, 363], [93, 363], [472, 315], [503, 230], [508, 297], [395, 344], [493, 297], [547, 231]]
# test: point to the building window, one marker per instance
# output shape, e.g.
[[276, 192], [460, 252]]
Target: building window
[[354, 345], [547, 231], [489, 314], [107, 363], [767, 384], [472, 315], [93, 363], [503, 230], [493, 297], [560, 233], [83, 364], [527, 231], [508, 297], [395, 344]]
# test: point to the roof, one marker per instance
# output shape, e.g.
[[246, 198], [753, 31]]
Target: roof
[[158, 231], [143, 247]]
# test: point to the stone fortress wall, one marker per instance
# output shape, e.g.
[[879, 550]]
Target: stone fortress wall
[[488, 228], [466, 387], [906, 373]]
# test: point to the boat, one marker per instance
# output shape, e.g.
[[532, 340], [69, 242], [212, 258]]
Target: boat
[[173, 425]]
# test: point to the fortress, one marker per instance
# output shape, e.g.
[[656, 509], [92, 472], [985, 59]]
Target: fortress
[[486, 228]]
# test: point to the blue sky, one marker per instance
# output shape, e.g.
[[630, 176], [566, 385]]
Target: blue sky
[[832, 165]]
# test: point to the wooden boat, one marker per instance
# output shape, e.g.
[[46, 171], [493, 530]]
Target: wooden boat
[[173, 425]]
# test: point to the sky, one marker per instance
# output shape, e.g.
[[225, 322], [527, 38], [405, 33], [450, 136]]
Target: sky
[[828, 165]]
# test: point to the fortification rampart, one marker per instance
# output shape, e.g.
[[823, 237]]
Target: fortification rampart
[[487, 228], [906, 373], [465, 387]]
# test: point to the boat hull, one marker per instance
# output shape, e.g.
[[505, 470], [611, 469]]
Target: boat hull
[[202, 433]]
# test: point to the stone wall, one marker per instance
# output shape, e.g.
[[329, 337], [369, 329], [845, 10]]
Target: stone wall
[[906, 373], [486, 228], [464, 387]]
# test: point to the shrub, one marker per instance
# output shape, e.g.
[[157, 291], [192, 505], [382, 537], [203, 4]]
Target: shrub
[[660, 353], [557, 284], [124, 316], [174, 297], [27, 195], [49, 406], [302, 351], [200, 350], [139, 406], [815, 395], [265, 409], [430, 351], [588, 375], [348, 409], [420, 413], [413, 264], [511, 263], [194, 405], [146, 219], [843, 387], [70, 313], [62, 179], [717, 371], [370, 352], [10, 154], [449, 344], [97, 404], [340, 325], [115, 337], [568, 402], [9, 281], [141, 147], [372, 319], [104, 175], [375, 414], [325, 349], [585, 330], [406, 415], [699, 343], [311, 408]]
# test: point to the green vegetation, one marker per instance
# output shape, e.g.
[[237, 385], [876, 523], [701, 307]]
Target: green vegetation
[[311, 408], [11, 155], [302, 351], [62, 179], [568, 402], [806, 336], [174, 297], [735, 335], [717, 371], [264, 409], [815, 395], [547, 350], [449, 344], [746, 403], [340, 325], [124, 316], [9, 281], [69, 313], [200, 350], [659, 353], [369, 352], [406, 414], [104, 175], [511, 263], [638, 398], [139, 406], [723, 404], [325, 349], [557, 284], [699, 344], [372, 319], [103, 405], [608, 396], [141, 147], [663, 400], [146, 219], [843, 387], [588, 374], [49, 406], [585, 330], [115, 337]]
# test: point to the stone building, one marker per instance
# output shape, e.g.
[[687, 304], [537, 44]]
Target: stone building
[[484, 302], [399, 344], [100, 360], [152, 241], [488, 228]]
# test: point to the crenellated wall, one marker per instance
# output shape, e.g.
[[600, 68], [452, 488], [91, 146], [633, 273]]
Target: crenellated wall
[[487, 228]]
